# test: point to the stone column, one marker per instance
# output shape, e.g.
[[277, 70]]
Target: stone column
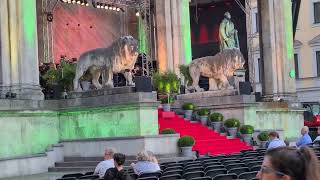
[[176, 35], [276, 36], [19, 49], [164, 35]]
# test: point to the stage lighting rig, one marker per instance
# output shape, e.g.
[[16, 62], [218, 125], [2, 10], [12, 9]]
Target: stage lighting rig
[[79, 2], [107, 6]]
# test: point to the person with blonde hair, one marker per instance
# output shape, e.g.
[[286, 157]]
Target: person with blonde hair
[[305, 138], [287, 163], [147, 163]]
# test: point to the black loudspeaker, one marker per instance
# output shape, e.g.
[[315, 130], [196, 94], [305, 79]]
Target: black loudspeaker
[[258, 96], [245, 88], [143, 84]]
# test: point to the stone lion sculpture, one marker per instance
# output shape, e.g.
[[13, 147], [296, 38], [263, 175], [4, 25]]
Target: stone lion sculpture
[[217, 68], [120, 57]]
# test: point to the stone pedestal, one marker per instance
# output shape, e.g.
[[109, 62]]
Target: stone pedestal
[[19, 50], [261, 115]]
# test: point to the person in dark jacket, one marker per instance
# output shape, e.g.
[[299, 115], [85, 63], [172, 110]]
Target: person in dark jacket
[[117, 173]]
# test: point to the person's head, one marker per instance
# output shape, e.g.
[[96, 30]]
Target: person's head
[[304, 130], [119, 159], [143, 156], [227, 15], [286, 163], [273, 135], [108, 153]]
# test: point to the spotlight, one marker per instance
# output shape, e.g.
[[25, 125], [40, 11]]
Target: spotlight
[[110, 7], [118, 9], [137, 13], [106, 7], [102, 6], [114, 8], [98, 5], [82, 3], [78, 2], [87, 4], [65, 1], [69, 1], [73, 1]]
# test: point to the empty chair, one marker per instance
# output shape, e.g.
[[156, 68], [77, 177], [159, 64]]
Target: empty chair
[[213, 167], [89, 177], [203, 158], [238, 171], [212, 164], [168, 163], [225, 177], [237, 155], [193, 169], [173, 168], [221, 156], [148, 178], [193, 162], [215, 172], [186, 161], [192, 165], [252, 154], [190, 175], [76, 175], [89, 173], [254, 163], [228, 159], [255, 168], [246, 161], [236, 165], [178, 171], [153, 174], [202, 178], [211, 160], [170, 177], [248, 175], [67, 178], [231, 162]]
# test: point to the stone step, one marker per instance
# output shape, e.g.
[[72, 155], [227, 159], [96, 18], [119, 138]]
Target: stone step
[[71, 169], [85, 163]]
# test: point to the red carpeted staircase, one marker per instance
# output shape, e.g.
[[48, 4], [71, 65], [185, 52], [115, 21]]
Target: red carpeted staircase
[[206, 140]]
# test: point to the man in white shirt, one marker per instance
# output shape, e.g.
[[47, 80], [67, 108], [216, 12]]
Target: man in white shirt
[[108, 162], [274, 141]]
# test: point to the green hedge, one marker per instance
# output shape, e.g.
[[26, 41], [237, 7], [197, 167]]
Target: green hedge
[[188, 106], [186, 141], [216, 117], [247, 129], [232, 122], [168, 131], [204, 112], [263, 136]]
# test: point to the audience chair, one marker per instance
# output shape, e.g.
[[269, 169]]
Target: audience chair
[[254, 163], [211, 160], [173, 168], [228, 159], [190, 175], [89, 177], [248, 175], [67, 178], [236, 165], [75, 175], [153, 174], [255, 168], [193, 169], [215, 172], [170, 177], [214, 167], [178, 171], [89, 173], [202, 178], [148, 178], [225, 177], [238, 170], [231, 162], [212, 164]]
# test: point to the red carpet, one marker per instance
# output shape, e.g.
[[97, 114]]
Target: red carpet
[[206, 140]]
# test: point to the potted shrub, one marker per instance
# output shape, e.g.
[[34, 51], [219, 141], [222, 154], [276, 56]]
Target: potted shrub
[[216, 121], [168, 131], [204, 113], [188, 109], [232, 125], [166, 103], [185, 143], [166, 83], [246, 132], [263, 138]]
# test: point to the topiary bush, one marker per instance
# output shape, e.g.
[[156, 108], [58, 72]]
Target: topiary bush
[[263, 136], [247, 129], [216, 117], [188, 106], [203, 112], [168, 131], [232, 123], [186, 141]]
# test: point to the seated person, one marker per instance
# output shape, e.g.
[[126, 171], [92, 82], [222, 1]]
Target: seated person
[[317, 140], [145, 164], [103, 166], [305, 138], [117, 172], [274, 141]]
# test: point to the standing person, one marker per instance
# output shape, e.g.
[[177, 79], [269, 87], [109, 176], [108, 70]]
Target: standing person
[[274, 141], [103, 166], [287, 163], [305, 138], [117, 172]]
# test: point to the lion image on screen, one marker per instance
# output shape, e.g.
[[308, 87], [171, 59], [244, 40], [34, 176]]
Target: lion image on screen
[[217, 68], [120, 57]]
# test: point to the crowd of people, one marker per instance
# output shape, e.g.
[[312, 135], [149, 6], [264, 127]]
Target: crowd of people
[[280, 161]]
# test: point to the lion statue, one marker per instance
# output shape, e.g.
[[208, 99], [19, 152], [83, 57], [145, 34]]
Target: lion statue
[[217, 68], [120, 57]]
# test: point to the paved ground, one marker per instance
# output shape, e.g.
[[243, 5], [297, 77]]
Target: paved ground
[[43, 176]]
